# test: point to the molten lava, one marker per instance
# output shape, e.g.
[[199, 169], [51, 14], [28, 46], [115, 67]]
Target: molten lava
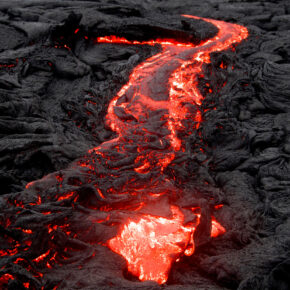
[[151, 244], [152, 115]]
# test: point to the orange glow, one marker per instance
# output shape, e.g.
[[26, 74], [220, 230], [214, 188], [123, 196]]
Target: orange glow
[[41, 257], [29, 184], [66, 196], [27, 231], [122, 40], [216, 228], [46, 212], [4, 279]]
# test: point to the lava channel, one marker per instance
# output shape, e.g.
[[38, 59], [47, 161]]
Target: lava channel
[[161, 101], [152, 115]]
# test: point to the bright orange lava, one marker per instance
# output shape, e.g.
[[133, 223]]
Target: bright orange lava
[[153, 114], [163, 90], [151, 244]]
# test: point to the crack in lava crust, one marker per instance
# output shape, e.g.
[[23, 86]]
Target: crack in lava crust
[[125, 178]]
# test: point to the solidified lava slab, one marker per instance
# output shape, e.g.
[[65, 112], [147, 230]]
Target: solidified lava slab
[[228, 172]]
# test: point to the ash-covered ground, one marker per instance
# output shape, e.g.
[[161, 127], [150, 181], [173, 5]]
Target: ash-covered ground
[[55, 86]]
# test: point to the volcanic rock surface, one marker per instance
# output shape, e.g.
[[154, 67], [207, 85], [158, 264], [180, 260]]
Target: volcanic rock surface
[[56, 82]]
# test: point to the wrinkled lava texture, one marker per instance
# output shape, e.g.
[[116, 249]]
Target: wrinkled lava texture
[[143, 148]]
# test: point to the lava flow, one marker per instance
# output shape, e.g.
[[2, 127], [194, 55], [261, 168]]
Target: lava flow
[[149, 107], [126, 183]]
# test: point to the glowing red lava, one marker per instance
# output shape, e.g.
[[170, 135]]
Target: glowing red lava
[[153, 114], [150, 244]]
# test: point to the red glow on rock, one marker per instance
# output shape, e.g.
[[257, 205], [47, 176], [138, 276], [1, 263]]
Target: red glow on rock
[[100, 193], [41, 257], [223, 65], [122, 40], [29, 184], [27, 231], [52, 228], [28, 243], [38, 202], [8, 252], [216, 229], [9, 65], [46, 212], [18, 260], [66, 196], [4, 279]]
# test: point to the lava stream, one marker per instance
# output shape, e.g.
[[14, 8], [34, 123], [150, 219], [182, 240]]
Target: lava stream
[[124, 181], [165, 86]]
